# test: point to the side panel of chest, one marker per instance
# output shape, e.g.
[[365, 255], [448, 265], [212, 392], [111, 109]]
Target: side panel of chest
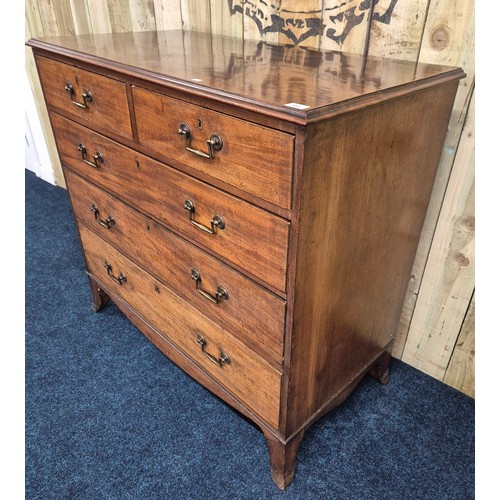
[[363, 204]]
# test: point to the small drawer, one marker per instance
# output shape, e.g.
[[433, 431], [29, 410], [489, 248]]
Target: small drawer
[[255, 159], [248, 237], [215, 289], [98, 100], [246, 375]]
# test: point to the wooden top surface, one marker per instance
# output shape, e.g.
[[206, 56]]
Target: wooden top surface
[[268, 78]]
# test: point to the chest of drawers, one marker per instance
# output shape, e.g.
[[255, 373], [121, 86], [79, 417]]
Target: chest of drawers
[[253, 209]]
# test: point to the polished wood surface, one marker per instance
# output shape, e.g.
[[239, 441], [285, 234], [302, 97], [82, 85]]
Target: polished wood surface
[[251, 73], [360, 218], [253, 239], [243, 161], [321, 225], [254, 314], [247, 376], [108, 107]]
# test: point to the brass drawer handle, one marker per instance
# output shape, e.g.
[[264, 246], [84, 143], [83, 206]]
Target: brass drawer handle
[[220, 293], [223, 358], [86, 96], [97, 157], [121, 277], [216, 223], [107, 222], [214, 143]]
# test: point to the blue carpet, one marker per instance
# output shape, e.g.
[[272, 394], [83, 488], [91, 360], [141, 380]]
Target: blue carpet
[[108, 416]]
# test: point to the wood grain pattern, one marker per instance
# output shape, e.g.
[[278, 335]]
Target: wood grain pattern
[[254, 159], [256, 316], [56, 17], [196, 15], [33, 18], [402, 37], [100, 18], [360, 221], [247, 376], [109, 106], [167, 15], [223, 22], [460, 372], [253, 239], [449, 276], [81, 17], [119, 15]]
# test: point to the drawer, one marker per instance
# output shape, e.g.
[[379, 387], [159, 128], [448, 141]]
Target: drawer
[[223, 294], [252, 239], [245, 375], [255, 159], [107, 107]]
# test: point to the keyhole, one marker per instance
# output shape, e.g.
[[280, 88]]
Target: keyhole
[[137, 164], [76, 80], [199, 123]]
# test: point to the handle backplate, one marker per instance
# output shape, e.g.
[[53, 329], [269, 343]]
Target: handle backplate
[[214, 143], [108, 222], [86, 96], [220, 361], [120, 279], [220, 292], [217, 222]]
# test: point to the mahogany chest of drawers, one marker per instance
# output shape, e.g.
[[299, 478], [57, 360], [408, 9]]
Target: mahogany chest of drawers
[[253, 209]]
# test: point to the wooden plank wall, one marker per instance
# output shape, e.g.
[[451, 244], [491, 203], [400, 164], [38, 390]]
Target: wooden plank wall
[[436, 331]]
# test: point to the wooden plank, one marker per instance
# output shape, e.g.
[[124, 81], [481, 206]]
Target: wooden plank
[[34, 21], [142, 15], [225, 22], [196, 15], [229, 51], [258, 20], [448, 280], [56, 17], [168, 15], [347, 25], [119, 16], [99, 16], [81, 17], [460, 373], [458, 52], [40, 106], [398, 36], [302, 24]]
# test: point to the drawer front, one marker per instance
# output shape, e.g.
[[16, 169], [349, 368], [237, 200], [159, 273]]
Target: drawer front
[[246, 375], [223, 294], [108, 106], [255, 159], [252, 238]]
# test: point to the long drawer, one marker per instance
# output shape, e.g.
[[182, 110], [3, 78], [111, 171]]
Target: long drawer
[[249, 237], [98, 100], [215, 289], [255, 159], [245, 374]]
